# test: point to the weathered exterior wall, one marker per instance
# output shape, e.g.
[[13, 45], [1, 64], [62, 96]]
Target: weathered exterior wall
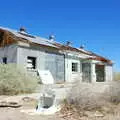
[[44, 61], [59, 66], [10, 52], [55, 63], [69, 75], [108, 73]]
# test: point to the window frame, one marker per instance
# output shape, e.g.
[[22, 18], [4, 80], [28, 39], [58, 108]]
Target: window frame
[[74, 67], [33, 62]]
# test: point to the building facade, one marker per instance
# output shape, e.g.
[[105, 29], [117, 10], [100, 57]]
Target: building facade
[[65, 63]]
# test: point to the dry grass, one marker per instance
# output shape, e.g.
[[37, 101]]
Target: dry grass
[[14, 80], [88, 101], [116, 75], [85, 96]]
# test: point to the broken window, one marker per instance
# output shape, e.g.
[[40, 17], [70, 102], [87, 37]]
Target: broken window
[[74, 67], [5, 60], [31, 62]]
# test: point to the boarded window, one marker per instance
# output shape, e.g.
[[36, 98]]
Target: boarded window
[[31, 62], [5, 60], [74, 67]]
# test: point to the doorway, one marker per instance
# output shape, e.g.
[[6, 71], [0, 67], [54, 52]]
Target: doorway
[[100, 73], [86, 72]]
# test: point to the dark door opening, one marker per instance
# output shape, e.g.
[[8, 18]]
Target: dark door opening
[[86, 72], [100, 73]]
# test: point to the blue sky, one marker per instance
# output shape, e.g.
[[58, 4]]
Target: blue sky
[[94, 23]]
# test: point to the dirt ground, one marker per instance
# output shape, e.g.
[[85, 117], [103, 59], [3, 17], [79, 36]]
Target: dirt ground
[[9, 113], [15, 114], [29, 102]]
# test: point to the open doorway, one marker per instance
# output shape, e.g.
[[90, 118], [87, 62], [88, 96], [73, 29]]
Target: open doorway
[[86, 72], [100, 73]]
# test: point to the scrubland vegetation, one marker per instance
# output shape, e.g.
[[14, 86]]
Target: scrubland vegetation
[[116, 76], [84, 102], [93, 102], [14, 80]]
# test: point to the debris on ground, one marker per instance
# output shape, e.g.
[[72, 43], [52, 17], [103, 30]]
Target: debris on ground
[[10, 104]]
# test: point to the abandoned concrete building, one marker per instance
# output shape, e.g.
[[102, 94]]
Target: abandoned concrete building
[[65, 63]]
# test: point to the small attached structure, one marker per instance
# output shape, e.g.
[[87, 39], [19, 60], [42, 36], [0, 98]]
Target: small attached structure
[[65, 63]]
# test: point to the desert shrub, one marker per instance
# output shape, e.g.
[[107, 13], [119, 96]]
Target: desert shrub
[[113, 92], [84, 97], [89, 100], [94, 96], [15, 80]]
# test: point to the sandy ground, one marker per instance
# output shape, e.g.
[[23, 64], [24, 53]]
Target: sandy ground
[[30, 102], [15, 114]]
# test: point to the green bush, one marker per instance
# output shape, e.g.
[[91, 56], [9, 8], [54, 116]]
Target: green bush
[[15, 80]]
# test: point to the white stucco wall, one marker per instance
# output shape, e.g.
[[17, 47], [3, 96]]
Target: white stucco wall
[[69, 75], [93, 73], [108, 73]]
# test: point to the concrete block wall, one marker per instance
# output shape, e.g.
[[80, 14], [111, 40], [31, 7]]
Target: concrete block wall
[[10, 52], [44, 61]]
